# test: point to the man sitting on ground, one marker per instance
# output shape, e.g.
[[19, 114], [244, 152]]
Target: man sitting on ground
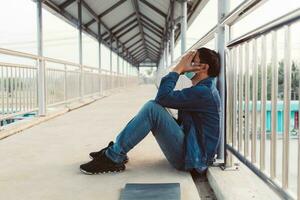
[[190, 142]]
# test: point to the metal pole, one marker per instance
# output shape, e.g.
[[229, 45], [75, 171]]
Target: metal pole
[[99, 47], [172, 44], [167, 52], [118, 61], [183, 25], [110, 65], [222, 10], [273, 166], [163, 58], [287, 100], [41, 64], [80, 46]]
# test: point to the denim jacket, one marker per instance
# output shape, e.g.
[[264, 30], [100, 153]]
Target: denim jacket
[[198, 115]]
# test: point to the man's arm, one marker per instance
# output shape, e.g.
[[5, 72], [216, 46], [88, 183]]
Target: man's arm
[[187, 98]]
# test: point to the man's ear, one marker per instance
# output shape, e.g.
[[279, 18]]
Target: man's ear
[[205, 67]]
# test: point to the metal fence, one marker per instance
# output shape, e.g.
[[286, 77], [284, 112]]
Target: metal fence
[[252, 81], [260, 76], [18, 82]]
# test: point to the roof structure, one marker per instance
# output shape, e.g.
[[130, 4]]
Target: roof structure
[[134, 29]]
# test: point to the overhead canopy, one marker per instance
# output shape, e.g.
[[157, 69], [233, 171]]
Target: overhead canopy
[[134, 29]]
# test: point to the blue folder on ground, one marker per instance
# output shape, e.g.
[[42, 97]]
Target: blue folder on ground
[[151, 191]]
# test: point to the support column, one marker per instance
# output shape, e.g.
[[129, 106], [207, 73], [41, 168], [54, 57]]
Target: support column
[[80, 46], [172, 43], [41, 64], [118, 61], [183, 26], [167, 54], [123, 63], [110, 66], [100, 64], [221, 47], [163, 57]]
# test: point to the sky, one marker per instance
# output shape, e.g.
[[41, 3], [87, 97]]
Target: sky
[[60, 39]]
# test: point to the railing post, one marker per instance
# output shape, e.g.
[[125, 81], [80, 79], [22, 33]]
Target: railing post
[[99, 47], [183, 25], [222, 10], [167, 52], [172, 43], [65, 83], [79, 9], [41, 63], [110, 67]]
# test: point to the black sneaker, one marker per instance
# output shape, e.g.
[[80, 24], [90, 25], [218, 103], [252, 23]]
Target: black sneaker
[[101, 164], [98, 153]]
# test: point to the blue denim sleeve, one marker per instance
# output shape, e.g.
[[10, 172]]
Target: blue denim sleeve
[[187, 98]]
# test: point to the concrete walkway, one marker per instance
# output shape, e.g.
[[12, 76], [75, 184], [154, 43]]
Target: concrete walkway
[[42, 162]]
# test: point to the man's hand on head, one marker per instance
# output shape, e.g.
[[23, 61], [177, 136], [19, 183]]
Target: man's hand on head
[[184, 64]]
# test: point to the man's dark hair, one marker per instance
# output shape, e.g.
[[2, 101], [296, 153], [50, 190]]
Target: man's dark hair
[[211, 58]]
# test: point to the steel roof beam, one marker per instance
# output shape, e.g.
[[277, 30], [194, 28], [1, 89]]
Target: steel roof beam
[[149, 36], [127, 31], [155, 52], [134, 44], [120, 23], [153, 58], [152, 46], [66, 4], [140, 54], [141, 58], [153, 55], [131, 38], [106, 12], [154, 8], [151, 21], [137, 12], [124, 26], [153, 32], [97, 19], [137, 49], [168, 19], [151, 27]]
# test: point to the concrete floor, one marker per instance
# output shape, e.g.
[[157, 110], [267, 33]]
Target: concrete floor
[[42, 162]]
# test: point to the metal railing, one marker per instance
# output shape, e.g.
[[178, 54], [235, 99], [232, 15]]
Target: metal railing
[[247, 89], [252, 68], [18, 82]]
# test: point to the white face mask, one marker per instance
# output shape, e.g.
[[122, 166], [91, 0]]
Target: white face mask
[[189, 75]]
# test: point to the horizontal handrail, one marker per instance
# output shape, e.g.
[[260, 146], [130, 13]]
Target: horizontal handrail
[[268, 27], [242, 10]]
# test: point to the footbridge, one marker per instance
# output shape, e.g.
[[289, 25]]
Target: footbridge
[[74, 72]]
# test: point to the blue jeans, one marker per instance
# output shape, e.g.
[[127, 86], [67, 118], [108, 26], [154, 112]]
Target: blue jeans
[[155, 118]]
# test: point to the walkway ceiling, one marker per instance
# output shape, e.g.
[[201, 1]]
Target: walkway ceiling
[[134, 29]]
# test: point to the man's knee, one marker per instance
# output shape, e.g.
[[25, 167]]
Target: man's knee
[[151, 103]]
